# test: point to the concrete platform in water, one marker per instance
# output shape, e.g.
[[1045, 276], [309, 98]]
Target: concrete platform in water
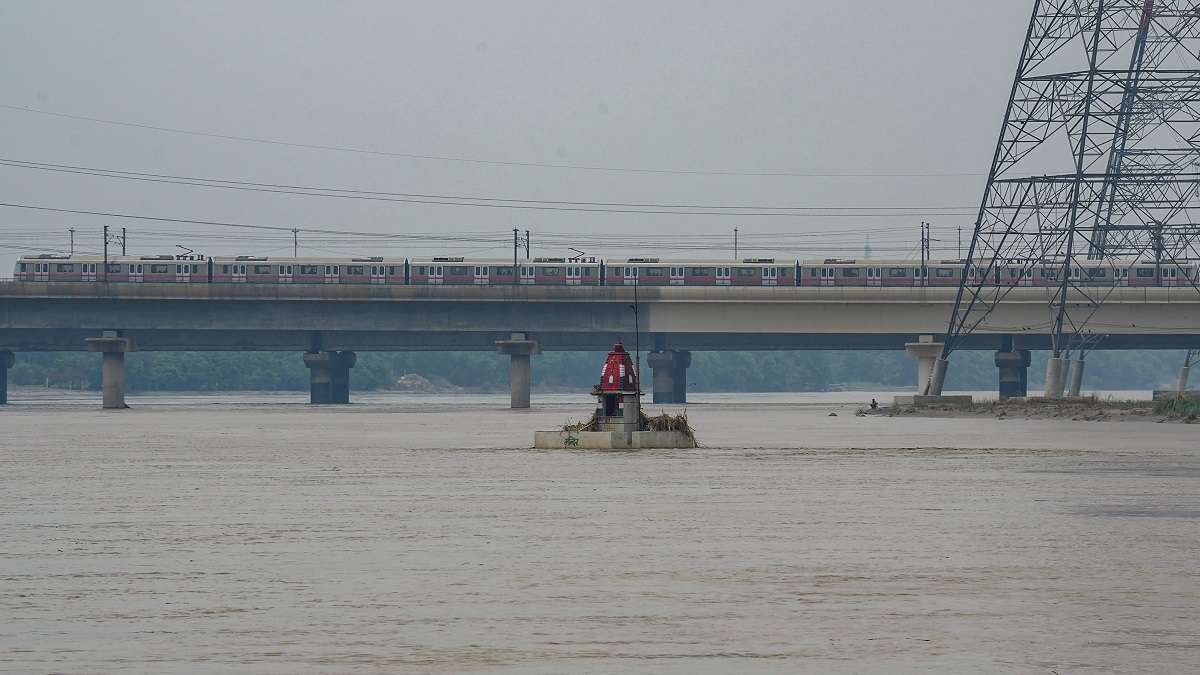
[[917, 400], [612, 440]]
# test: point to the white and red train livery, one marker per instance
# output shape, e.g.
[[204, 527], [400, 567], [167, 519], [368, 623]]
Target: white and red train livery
[[587, 271]]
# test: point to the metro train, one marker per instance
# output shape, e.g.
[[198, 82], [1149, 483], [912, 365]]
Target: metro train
[[585, 271]]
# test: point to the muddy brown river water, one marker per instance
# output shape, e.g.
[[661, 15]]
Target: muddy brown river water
[[394, 537]]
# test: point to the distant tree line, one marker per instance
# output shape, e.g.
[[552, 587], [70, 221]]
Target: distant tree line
[[477, 371]]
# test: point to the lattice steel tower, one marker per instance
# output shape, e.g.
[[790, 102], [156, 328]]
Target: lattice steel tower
[[1097, 163]]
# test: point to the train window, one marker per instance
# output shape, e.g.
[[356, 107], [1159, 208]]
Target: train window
[[746, 271], [655, 271], [1170, 273], [357, 270], [897, 272], [502, 271], [1145, 272], [160, 269], [438, 270], [391, 269], [289, 269], [328, 269], [336, 270], [262, 269], [943, 272], [626, 271], [587, 272], [701, 271], [551, 271], [309, 269], [66, 268], [851, 272], [784, 271], [21, 267], [139, 269], [455, 270], [1097, 272]]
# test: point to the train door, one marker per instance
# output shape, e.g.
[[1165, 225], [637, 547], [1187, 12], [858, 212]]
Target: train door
[[677, 276], [724, 278], [286, 274], [574, 275], [332, 273], [137, 273], [769, 276], [527, 274], [874, 276], [481, 275], [827, 276], [631, 274], [377, 274], [1123, 276], [89, 271], [1169, 275], [239, 273], [183, 273]]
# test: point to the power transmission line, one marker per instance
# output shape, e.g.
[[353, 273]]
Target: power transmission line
[[504, 202], [472, 160]]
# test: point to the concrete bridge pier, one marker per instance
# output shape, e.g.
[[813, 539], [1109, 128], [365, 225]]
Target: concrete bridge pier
[[670, 375], [519, 348], [1013, 365], [112, 348], [1056, 376], [1076, 378], [329, 376], [6, 361], [928, 355]]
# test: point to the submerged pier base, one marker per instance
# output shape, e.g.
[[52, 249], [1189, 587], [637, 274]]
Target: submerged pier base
[[611, 440], [519, 348], [329, 376], [112, 348], [6, 361]]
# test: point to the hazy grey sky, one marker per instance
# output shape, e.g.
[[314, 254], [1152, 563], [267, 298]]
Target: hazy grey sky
[[775, 86]]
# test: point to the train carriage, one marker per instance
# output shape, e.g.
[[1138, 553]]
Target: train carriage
[[659, 272], [500, 272]]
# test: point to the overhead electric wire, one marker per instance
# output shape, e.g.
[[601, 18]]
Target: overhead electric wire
[[488, 202], [474, 160]]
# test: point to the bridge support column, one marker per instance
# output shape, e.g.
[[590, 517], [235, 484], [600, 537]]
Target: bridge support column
[[1056, 376], [112, 348], [670, 375], [329, 376], [6, 361], [519, 349], [1013, 365], [1076, 378], [929, 363]]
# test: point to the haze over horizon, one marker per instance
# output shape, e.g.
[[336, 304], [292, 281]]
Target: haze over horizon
[[908, 96]]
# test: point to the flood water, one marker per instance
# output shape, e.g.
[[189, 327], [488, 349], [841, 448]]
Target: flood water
[[196, 534]]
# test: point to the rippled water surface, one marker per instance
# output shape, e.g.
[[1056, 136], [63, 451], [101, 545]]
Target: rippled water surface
[[402, 534]]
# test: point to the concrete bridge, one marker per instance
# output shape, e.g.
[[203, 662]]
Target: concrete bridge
[[329, 323]]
